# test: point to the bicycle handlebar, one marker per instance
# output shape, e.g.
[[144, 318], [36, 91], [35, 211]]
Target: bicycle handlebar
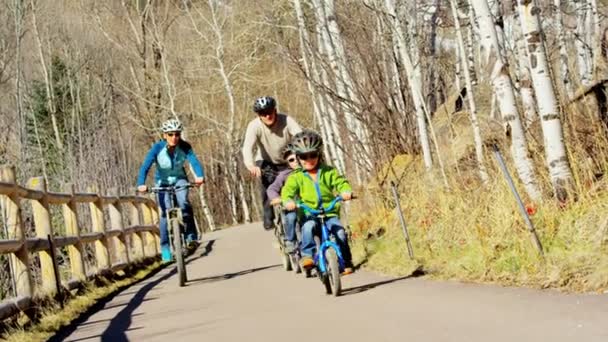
[[157, 189], [330, 207]]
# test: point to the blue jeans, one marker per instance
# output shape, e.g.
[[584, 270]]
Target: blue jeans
[[164, 202], [310, 226], [290, 218]]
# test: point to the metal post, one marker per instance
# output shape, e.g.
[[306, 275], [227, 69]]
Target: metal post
[[520, 204], [410, 250]]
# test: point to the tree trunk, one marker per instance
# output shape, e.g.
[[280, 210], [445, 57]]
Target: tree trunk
[[555, 148], [563, 65], [583, 53], [414, 80], [317, 100], [523, 71], [48, 81], [470, 96], [597, 35], [334, 47], [503, 89]]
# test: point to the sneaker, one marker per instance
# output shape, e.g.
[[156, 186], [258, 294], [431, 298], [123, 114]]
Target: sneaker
[[306, 262], [271, 227], [290, 247], [165, 254], [348, 270]]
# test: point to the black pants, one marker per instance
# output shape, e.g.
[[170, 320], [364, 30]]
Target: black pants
[[269, 173]]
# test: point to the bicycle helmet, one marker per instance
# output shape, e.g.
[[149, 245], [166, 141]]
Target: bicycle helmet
[[307, 141], [287, 150], [263, 104], [172, 125]]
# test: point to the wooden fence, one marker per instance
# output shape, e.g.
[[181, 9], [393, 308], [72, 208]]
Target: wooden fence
[[115, 245]]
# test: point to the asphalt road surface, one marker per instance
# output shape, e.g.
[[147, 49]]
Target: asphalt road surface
[[238, 291]]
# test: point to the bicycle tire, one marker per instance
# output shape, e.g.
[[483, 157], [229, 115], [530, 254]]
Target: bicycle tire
[[295, 263], [179, 255], [286, 261], [333, 271]]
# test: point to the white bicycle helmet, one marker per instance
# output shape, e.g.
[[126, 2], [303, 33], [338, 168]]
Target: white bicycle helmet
[[172, 125]]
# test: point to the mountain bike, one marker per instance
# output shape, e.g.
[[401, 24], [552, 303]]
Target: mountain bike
[[291, 261], [175, 224], [329, 263]]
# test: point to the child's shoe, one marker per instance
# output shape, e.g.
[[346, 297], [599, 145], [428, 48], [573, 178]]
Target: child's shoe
[[306, 262]]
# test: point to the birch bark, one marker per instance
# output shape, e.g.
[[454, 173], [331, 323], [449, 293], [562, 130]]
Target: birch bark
[[555, 148], [505, 94]]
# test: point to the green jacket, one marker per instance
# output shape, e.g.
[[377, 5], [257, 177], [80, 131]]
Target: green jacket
[[330, 183]]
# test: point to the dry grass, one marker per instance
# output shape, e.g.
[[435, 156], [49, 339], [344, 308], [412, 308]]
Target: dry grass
[[54, 318], [474, 233]]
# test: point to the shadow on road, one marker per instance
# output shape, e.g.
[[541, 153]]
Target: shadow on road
[[228, 275], [207, 249], [358, 289], [120, 324]]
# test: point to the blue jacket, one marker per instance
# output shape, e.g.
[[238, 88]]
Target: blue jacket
[[169, 167]]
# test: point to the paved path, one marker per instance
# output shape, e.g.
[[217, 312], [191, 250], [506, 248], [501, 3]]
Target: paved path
[[239, 292]]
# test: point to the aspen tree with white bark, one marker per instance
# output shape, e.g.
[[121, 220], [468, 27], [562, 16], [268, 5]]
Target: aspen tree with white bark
[[464, 62], [563, 65], [523, 71], [414, 80], [555, 148], [330, 134], [231, 137], [350, 103], [505, 94], [584, 59]]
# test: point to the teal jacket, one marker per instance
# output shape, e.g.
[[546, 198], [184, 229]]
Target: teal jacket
[[169, 166], [329, 184]]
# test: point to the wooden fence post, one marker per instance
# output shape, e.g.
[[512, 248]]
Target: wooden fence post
[[146, 213], [75, 252], [14, 225], [120, 243], [101, 246], [138, 242], [156, 222], [43, 227]]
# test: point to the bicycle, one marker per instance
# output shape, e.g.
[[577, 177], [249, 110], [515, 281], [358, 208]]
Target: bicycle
[[291, 261], [175, 223], [329, 263]]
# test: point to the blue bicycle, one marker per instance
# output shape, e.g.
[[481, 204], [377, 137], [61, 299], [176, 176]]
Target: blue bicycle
[[329, 263]]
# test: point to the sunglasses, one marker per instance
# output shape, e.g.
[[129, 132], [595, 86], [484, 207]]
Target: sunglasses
[[173, 134], [265, 113], [308, 156], [292, 159]]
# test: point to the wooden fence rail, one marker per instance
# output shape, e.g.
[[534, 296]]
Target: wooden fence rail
[[116, 245]]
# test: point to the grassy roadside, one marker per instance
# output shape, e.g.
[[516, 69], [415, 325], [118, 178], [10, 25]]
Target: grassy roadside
[[478, 235], [53, 318]]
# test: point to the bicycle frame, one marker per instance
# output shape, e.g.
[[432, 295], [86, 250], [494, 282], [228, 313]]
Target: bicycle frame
[[326, 241], [173, 211]]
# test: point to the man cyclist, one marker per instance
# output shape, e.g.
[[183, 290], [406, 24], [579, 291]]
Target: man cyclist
[[170, 155], [269, 133]]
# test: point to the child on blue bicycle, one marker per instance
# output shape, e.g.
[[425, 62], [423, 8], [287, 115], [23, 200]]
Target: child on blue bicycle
[[316, 185], [274, 195]]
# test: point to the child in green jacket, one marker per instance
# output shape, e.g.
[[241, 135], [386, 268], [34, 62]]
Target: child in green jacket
[[316, 184]]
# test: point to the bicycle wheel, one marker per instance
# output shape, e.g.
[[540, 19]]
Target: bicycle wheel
[[333, 271], [179, 255], [295, 262], [286, 261]]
